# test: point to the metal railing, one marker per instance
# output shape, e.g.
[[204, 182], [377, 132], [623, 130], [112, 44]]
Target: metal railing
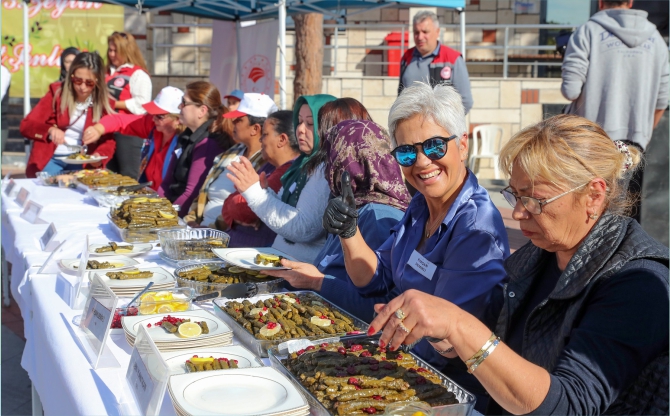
[[333, 48]]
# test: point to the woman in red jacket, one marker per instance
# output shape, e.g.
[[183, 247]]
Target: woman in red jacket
[[160, 126], [62, 115], [129, 84]]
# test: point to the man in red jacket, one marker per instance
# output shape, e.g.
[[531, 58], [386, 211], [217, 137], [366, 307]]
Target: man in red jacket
[[434, 63]]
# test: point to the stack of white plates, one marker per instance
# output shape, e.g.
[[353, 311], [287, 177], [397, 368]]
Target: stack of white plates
[[219, 333], [176, 360], [245, 391], [162, 279]]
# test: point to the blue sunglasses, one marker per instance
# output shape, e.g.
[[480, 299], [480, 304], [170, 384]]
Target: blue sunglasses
[[434, 148]]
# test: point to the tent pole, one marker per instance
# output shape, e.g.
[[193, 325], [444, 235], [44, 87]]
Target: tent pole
[[238, 24], [26, 68], [282, 54], [461, 13]]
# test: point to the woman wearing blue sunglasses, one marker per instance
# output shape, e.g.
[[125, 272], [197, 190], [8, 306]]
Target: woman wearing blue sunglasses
[[451, 243]]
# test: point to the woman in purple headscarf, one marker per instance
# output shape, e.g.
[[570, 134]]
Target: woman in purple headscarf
[[363, 149]]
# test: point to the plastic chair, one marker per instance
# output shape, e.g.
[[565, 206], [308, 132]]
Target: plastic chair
[[486, 144]]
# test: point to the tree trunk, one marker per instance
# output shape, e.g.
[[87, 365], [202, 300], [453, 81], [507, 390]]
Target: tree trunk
[[308, 54]]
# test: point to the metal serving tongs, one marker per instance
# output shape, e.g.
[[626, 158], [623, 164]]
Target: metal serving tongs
[[143, 291], [234, 291], [83, 150]]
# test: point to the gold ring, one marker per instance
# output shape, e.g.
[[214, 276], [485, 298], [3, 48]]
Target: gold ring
[[400, 314], [403, 327]]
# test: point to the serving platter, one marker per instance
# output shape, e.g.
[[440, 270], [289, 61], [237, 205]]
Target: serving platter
[[244, 257]]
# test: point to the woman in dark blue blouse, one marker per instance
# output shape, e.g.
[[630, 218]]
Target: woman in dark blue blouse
[[451, 242]]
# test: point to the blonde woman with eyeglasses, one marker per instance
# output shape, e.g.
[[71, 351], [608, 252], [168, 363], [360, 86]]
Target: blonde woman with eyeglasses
[[62, 115], [584, 322]]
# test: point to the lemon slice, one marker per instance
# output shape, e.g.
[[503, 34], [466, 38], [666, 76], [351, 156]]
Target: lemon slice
[[267, 332], [418, 414], [148, 295], [147, 308], [253, 272], [189, 330], [123, 251], [201, 360], [262, 276], [132, 271], [166, 215], [164, 295], [165, 308], [235, 270], [255, 311], [180, 306], [319, 321], [140, 200]]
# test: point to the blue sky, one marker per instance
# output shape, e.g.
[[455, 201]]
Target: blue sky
[[571, 12]]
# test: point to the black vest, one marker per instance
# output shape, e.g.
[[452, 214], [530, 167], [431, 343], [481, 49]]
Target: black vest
[[612, 243], [186, 142]]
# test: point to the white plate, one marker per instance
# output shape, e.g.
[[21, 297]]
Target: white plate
[[161, 277], [81, 162], [244, 257], [216, 326], [249, 391], [138, 248], [121, 262], [176, 359]]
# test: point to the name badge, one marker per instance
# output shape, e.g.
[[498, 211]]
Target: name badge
[[421, 265], [327, 260], [292, 187], [177, 152]]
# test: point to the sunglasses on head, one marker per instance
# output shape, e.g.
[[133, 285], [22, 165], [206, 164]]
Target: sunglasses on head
[[434, 148], [122, 34], [78, 81]]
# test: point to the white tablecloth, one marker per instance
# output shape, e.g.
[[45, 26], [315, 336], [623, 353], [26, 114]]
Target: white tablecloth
[[58, 368]]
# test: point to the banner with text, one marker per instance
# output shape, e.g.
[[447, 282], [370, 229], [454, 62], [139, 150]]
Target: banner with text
[[54, 26]]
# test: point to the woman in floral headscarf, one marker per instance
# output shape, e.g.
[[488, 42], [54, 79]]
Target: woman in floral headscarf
[[363, 149]]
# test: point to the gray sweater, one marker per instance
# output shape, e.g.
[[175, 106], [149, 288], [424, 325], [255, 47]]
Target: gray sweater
[[615, 72]]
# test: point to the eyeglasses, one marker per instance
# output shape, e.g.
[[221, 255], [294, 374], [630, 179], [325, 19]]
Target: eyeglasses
[[159, 116], [434, 148], [122, 34], [185, 103], [533, 205], [78, 81]]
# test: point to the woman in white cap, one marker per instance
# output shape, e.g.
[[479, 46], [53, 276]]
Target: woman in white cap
[[160, 128]]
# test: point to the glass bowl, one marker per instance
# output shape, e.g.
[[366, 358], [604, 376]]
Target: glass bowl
[[177, 299], [192, 244]]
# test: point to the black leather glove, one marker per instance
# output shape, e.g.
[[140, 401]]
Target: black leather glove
[[341, 217]]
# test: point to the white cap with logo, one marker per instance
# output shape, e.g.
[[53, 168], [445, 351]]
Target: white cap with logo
[[166, 102], [254, 104]]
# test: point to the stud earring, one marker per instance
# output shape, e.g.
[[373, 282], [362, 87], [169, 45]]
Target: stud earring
[[593, 216]]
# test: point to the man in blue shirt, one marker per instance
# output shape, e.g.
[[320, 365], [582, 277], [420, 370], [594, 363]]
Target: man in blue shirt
[[434, 63]]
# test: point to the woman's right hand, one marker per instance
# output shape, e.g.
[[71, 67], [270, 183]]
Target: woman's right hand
[[93, 134], [341, 217], [425, 315], [57, 135]]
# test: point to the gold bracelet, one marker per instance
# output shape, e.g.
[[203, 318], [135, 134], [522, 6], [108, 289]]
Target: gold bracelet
[[479, 353], [486, 353]]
